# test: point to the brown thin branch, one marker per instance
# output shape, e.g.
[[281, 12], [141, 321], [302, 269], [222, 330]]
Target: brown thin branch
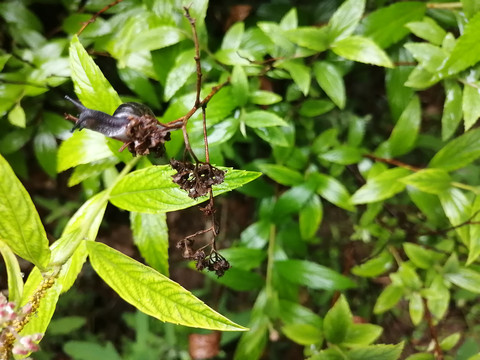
[[437, 351], [393, 162], [95, 16], [197, 54], [450, 5]]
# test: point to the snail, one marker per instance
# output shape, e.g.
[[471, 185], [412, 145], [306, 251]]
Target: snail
[[132, 123]]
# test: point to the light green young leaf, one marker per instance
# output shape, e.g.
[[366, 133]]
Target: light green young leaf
[[466, 52], [262, 97], [432, 181], [420, 78], [150, 234], [337, 322], [470, 105], [362, 334], [262, 118], [465, 278], [388, 298], [361, 49], [452, 108], [282, 174], [427, 29], [474, 244], [344, 21], [376, 352], [233, 37], [177, 77], [471, 7], [156, 38], [459, 152], [299, 72], [310, 217], [91, 86], [416, 308], [404, 134], [152, 292], [239, 83], [331, 81], [82, 147], [16, 116], [432, 58], [421, 356], [14, 273], [312, 38], [290, 20], [151, 190], [450, 341], [343, 155], [457, 207], [421, 257], [20, 225], [274, 135], [381, 187], [386, 26], [303, 334], [375, 266], [312, 275]]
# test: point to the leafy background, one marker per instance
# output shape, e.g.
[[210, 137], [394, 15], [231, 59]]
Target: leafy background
[[362, 116]]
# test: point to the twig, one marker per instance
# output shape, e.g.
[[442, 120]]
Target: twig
[[437, 352], [197, 54], [95, 16], [393, 162], [450, 5]]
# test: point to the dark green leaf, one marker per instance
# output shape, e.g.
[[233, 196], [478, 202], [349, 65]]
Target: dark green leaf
[[239, 83], [398, 94], [152, 190], [459, 152], [332, 190], [427, 29], [312, 275], [315, 107], [386, 26], [45, 147], [84, 350], [337, 322], [150, 234], [239, 279], [344, 21], [20, 225], [167, 301], [452, 108], [244, 258], [274, 135], [85, 171], [331, 81], [310, 217], [361, 49], [381, 187], [292, 200], [177, 77]]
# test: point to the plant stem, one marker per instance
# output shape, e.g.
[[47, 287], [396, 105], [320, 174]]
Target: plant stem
[[450, 5], [271, 259]]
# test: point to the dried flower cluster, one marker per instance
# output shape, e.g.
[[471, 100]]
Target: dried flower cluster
[[196, 179], [146, 135], [212, 262]]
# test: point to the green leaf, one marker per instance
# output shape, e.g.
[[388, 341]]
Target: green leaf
[[20, 225], [85, 171], [312, 38], [153, 293], [244, 258], [299, 72], [470, 105], [16, 116], [233, 37], [375, 266], [239, 83], [150, 234], [291, 312], [177, 77], [303, 334], [343, 155], [471, 7], [310, 217], [421, 257], [14, 274], [345, 19], [332, 190], [262, 97], [459, 152], [420, 78], [376, 352], [452, 108], [432, 58], [85, 350], [386, 26], [331, 81], [292, 200], [427, 29], [432, 181], [388, 298], [66, 325], [45, 148], [151, 190], [239, 279], [450, 341], [466, 52], [312, 275], [82, 147], [315, 107], [362, 334], [262, 118], [416, 308], [398, 94], [457, 207], [381, 186], [156, 38], [223, 131], [361, 49], [438, 297], [465, 278], [421, 356], [282, 174], [337, 322], [404, 134], [91, 86]]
